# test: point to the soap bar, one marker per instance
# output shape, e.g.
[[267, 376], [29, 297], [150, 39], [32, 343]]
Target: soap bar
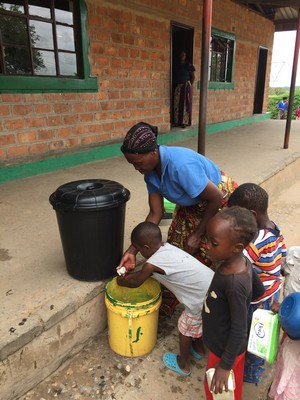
[[122, 271]]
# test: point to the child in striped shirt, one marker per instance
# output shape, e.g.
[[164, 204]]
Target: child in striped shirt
[[266, 252]]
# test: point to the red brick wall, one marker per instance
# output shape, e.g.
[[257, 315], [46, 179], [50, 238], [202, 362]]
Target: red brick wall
[[130, 53]]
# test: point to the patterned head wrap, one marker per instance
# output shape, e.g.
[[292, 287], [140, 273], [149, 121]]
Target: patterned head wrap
[[140, 139]]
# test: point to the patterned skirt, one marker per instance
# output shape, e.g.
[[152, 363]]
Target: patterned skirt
[[186, 219], [182, 110]]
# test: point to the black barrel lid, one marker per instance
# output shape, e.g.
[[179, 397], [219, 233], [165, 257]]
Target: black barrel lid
[[88, 195]]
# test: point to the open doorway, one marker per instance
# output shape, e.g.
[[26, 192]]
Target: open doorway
[[182, 40], [260, 80]]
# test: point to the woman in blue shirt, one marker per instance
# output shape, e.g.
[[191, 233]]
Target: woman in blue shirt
[[184, 177]]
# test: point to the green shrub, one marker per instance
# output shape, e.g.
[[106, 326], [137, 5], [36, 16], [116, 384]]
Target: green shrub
[[273, 100]]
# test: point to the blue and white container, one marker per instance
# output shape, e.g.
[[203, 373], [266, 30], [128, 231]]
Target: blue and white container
[[289, 315]]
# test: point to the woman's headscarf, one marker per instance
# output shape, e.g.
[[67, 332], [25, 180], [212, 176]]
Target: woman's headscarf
[[140, 139]]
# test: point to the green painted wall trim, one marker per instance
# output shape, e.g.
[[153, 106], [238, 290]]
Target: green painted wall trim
[[220, 85], [13, 172]]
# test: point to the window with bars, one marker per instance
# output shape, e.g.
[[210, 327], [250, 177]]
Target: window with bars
[[43, 39], [222, 46]]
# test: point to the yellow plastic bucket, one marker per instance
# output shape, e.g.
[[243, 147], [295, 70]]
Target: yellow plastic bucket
[[132, 315]]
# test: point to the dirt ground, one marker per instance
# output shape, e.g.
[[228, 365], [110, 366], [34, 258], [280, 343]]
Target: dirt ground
[[99, 373]]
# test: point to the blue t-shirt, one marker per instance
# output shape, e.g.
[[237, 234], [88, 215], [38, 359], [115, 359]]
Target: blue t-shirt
[[185, 174], [282, 105]]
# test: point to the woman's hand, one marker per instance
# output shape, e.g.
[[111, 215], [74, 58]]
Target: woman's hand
[[219, 380], [193, 243], [129, 259], [213, 197]]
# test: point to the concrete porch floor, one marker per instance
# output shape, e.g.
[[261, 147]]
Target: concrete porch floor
[[47, 316]]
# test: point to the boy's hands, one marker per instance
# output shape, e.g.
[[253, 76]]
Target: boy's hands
[[219, 380], [121, 280]]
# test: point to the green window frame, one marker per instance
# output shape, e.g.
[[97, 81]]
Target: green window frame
[[221, 63], [41, 84]]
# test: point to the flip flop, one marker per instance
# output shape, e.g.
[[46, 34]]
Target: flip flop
[[170, 361], [195, 354]]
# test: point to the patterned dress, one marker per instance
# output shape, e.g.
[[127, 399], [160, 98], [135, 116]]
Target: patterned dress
[[183, 95], [186, 219]]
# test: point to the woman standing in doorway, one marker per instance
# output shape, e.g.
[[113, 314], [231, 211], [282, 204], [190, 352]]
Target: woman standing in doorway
[[183, 79]]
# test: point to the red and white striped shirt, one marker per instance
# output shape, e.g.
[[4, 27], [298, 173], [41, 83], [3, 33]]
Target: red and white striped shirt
[[266, 252]]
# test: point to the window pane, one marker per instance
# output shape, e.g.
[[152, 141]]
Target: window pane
[[64, 12], [14, 6], [17, 61], [44, 62], [67, 64], [13, 30], [65, 38], [41, 34], [38, 37], [221, 59], [38, 9]]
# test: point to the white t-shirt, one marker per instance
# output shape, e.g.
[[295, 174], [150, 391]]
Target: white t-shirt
[[186, 277]]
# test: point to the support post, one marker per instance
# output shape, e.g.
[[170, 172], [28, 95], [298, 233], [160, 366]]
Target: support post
[[292, 88], [206, 33]]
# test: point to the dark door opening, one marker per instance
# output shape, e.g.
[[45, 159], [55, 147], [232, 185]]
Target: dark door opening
[[260, 80], [182, 39]]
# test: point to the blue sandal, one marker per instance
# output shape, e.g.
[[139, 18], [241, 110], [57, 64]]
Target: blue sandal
[[170, 361], [195, 354]]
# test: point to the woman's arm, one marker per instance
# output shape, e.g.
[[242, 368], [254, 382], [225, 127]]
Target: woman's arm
[[213, 196], [192, 77], [155, 215], [156, 205]]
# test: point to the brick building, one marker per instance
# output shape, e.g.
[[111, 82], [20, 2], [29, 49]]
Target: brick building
[[108, 65]]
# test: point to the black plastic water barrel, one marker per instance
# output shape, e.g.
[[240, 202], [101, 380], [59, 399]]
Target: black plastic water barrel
[[91, 217]]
